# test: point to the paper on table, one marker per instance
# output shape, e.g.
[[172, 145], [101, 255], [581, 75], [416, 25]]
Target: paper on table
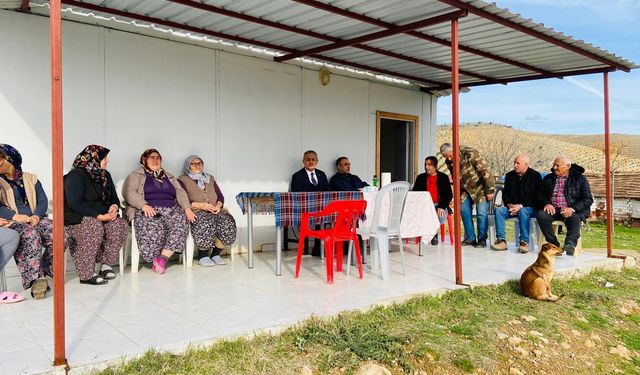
[[385, 178]]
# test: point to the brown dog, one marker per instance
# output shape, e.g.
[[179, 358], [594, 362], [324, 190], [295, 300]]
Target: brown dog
[[535, 281]]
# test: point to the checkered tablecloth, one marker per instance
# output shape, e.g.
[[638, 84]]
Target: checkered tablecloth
[[289, 207]]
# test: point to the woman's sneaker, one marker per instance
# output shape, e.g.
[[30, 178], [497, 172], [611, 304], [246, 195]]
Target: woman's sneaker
[[159, 264], [206, 262], [218, 260]]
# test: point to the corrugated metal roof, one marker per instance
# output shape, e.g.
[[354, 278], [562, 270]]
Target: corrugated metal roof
[[496, 46]]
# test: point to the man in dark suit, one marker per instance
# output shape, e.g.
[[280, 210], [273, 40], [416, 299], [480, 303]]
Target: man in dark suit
[[309, 178], [439, 187]]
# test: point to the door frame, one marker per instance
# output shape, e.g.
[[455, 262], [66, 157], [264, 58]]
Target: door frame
[[416, 135]]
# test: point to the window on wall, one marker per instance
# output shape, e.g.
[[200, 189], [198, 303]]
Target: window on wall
[[396, 146]]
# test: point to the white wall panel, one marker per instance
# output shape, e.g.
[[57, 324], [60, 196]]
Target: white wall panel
[[336, 123], [159, 94]]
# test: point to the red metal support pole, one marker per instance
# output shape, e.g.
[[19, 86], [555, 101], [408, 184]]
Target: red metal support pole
[[607, 167], [55, 22], [456, 149]]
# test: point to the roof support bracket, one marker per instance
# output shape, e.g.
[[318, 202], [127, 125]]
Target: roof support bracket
[[377, 35]]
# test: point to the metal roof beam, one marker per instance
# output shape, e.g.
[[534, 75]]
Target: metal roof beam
[[179, 26], [525, 78], [377, 35], [360, 17], [313, 34], [537, 34]]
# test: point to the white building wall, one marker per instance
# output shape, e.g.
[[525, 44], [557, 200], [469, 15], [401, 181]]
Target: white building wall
[[249, 118]]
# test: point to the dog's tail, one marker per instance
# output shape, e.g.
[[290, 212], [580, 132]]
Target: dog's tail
[[554, 298]]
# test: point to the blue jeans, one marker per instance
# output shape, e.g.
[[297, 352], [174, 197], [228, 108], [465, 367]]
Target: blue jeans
[[466, 211], [524, 222]]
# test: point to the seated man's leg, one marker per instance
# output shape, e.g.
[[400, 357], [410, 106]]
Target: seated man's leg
[[524, 222], [502, 214], [544, 221], [573, 224], [466, 213], [482, 218]]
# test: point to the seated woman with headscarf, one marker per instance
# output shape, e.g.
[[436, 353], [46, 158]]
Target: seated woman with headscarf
[[91, 217], [214, 227], [23, 201], [160, 207]]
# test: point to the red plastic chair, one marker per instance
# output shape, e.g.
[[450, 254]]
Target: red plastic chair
[[450, 225], [344, 229]]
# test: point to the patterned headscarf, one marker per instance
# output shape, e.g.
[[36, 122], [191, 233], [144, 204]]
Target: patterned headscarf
[[158, 175], [13, 156], [200, 178], [89, 159]]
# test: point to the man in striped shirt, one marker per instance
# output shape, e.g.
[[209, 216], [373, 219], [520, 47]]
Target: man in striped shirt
[[567, 197]]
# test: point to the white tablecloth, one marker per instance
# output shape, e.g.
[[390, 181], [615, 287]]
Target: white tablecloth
[[419, 218]]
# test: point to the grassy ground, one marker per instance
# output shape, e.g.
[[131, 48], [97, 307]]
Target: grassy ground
[[595, 236], [595, 329]]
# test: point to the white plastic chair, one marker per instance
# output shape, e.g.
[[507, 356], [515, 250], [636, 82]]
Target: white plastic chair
[[397, 192]]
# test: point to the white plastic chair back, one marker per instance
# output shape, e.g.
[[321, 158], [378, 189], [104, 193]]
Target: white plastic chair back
[[396, 192]]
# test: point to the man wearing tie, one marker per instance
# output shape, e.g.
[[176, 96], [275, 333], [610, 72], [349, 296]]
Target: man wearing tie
[[309, 178]]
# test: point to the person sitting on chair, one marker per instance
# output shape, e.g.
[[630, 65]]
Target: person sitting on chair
[[25, 203], [91, 216], [161, 210], [309, 178], [566, 196], [439, 187], [344, 180], [521, 198], [214, 226]]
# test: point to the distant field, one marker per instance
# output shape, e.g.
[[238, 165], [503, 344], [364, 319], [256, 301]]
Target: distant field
[[632, 142], [500, 143]]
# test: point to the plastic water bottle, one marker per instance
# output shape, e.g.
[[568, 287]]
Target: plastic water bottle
[[374, 182]]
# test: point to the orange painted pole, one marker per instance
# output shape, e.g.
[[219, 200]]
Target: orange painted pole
[[607, 168], [456, 149], [55, 22]]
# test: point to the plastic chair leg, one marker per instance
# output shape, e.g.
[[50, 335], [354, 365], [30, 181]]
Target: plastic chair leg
[[328, 251], [442, 232], [358, 256], [404, 272], [299, 257], [338, 254], [450, 226], [135, 251], [383, 250]]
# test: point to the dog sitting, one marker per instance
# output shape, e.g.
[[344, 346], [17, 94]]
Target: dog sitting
[[535, 281]]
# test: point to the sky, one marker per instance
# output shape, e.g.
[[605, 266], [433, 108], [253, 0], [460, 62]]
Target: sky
[[573, 105]]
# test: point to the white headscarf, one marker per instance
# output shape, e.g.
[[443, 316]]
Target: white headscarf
[[200, 178]]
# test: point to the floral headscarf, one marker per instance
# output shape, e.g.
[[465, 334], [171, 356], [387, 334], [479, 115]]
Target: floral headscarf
[[158, 175], [200, 178], [89, 160], [13, 156]]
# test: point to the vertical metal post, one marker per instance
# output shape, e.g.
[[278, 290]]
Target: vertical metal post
[[607, 167], [55, 22], [456, 149]]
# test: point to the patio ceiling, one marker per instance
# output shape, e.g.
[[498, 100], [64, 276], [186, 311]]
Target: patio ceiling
[[406, 39]]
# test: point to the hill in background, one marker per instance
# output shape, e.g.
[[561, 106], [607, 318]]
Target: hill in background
[[499, 144]]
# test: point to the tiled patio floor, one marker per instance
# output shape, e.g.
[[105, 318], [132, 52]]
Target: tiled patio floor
[[134, 313]]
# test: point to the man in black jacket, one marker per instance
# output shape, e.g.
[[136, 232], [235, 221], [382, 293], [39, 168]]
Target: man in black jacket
[[521, 198], [309, 178], [436, 183], [566, 196]]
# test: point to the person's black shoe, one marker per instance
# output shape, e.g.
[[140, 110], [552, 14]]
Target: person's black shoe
[[468, 243], [481, 243], [569, 248], [434, 240]]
